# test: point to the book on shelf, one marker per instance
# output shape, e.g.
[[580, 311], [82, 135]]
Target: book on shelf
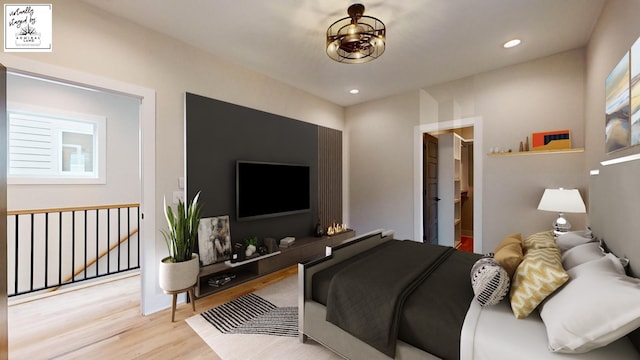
[[287, 241], [286, 245], [220, 280]]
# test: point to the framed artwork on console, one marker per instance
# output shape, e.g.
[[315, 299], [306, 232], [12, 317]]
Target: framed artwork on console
[[214, 240]]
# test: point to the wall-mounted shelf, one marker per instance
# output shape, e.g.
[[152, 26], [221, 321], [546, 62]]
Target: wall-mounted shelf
[[538, 152], [255, 258]]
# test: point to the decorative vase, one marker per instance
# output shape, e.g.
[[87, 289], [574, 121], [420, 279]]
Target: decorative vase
[[178, 276], [319, 231]]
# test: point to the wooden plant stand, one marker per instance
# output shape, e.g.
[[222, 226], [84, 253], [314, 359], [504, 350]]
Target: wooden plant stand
[[175, 293]]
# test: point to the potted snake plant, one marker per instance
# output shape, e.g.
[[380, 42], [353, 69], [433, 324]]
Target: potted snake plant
[[180, 269]]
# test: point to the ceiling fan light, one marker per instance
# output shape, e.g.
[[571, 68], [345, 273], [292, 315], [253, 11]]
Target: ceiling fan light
[[357, 38], [352, 29], [332, 47]]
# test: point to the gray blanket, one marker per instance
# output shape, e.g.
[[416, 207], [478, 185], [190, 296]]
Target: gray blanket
[[366, 298]]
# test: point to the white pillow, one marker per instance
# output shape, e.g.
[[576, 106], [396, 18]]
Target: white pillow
[[598, 305], [572, 239], [605, 250], [581, 254]]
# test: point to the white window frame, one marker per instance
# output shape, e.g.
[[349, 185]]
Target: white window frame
[[98, 176]]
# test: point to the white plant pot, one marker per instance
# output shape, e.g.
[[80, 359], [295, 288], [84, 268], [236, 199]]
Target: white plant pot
[[178, 276]]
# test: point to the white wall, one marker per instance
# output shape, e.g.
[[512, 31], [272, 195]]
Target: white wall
[[545, 94], [616, 30], [91, 41], [541, 95], [123, 178], [380, 138]]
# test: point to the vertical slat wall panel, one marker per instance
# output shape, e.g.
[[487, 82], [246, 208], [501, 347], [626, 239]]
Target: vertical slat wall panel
[[329, 176]]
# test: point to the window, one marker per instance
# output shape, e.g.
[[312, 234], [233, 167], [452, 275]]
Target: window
[[52, 148]]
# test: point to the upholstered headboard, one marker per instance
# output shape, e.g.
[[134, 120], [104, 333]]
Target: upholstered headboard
[[614, 210]]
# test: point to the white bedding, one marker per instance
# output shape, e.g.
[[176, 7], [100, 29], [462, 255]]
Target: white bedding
[[493, 332]]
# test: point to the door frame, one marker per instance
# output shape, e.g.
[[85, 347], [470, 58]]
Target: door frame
[[418, 161], [151, 300]]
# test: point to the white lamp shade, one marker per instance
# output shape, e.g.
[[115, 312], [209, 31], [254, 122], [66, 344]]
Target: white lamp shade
[[562, 200]]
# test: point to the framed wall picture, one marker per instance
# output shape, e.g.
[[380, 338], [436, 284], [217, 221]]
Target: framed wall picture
[[617, 125], [214, 240]]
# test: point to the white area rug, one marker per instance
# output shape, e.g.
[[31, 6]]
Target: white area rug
[[262, 347]]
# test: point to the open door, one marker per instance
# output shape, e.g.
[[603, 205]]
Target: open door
[[430, 190]]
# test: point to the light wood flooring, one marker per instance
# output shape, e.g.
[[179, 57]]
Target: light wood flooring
[[104, 321]]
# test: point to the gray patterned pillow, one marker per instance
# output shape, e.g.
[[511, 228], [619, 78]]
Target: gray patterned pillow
[[490, 282]]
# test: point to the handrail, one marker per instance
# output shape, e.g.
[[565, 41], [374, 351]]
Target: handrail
[[69, 209]]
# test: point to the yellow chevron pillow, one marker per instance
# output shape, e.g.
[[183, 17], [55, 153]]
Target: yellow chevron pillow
[[540, 240], [539, 274]]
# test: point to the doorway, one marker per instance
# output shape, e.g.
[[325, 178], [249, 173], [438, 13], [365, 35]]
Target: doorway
[[475, 175], [448, 182], [60, 156], [150, 300]]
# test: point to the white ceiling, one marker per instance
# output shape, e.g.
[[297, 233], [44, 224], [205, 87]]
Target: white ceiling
[[428, 41]]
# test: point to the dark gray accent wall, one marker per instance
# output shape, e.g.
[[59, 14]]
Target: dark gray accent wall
[[218, 134]]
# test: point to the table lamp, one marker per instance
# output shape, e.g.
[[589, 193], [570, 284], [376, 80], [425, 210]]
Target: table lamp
[[562, 201]]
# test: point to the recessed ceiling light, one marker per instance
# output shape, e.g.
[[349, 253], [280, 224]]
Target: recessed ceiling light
[[354, 91], [511, 43]]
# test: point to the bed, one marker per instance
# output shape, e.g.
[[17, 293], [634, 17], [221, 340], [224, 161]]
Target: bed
[[381, 318]]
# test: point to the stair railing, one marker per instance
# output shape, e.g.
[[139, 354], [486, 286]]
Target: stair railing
[[49, 248]]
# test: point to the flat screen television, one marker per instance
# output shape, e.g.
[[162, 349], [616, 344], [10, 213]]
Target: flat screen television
[[266, 189]]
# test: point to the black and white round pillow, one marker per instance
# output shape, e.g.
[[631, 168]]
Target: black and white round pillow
[[490, 282]]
